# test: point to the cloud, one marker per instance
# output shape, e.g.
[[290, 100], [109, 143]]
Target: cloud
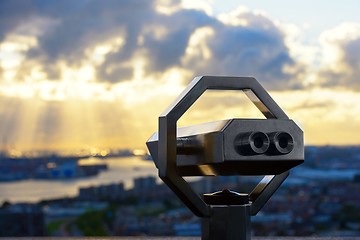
[[160, 41], [341, 46], [249, 44], [12, 13], [114, 36], [89, 72], [86, 23]]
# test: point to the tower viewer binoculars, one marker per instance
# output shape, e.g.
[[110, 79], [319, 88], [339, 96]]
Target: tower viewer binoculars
[[236, 147], [269, 147]]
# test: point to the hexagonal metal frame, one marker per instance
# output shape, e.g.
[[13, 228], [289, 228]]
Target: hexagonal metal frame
[[167, 138]]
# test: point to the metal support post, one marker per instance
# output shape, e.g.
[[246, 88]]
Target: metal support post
[[227, 222]]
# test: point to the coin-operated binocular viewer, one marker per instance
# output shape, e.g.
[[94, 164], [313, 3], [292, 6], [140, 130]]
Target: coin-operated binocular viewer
[[269, 147]]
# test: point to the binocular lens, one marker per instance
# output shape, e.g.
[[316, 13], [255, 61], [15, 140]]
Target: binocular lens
[[252, 143], [281, 143]]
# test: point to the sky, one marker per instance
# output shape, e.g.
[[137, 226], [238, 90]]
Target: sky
[[93, 75]]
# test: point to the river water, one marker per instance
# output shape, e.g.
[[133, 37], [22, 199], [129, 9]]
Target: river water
[[120, 170]]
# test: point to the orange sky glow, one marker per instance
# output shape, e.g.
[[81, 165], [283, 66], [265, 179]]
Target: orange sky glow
[[70, 84]]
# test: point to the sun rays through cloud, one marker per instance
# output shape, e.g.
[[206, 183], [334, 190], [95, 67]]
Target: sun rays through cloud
[[87, 74]]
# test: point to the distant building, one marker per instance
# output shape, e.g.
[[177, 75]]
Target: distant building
[[109, 192], [22, 220], [145, 187]]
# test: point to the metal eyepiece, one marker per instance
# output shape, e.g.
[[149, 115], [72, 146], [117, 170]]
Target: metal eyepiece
[[252, 143], [281, 143]]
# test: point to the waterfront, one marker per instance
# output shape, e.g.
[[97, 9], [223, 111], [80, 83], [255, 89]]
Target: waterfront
[[320, 197], [120, 170]]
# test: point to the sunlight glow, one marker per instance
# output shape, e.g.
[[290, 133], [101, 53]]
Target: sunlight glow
[[139, 72], [103, 91], [98, 53], [236, 17], [332, 40], [18, 43], [85, 73], [197, 43], [202, 5], [166, 7]]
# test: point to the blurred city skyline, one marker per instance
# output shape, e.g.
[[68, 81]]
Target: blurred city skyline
[[97, 74]]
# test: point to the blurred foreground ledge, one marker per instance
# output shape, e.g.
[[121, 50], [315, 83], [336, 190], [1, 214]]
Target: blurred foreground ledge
[[176, 238]]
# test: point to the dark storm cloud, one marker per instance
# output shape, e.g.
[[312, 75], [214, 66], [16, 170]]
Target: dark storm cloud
[[257, 49], [117, 74], [168, 51], [164, 52], [251, 52], [85, 23], [12, 13]]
